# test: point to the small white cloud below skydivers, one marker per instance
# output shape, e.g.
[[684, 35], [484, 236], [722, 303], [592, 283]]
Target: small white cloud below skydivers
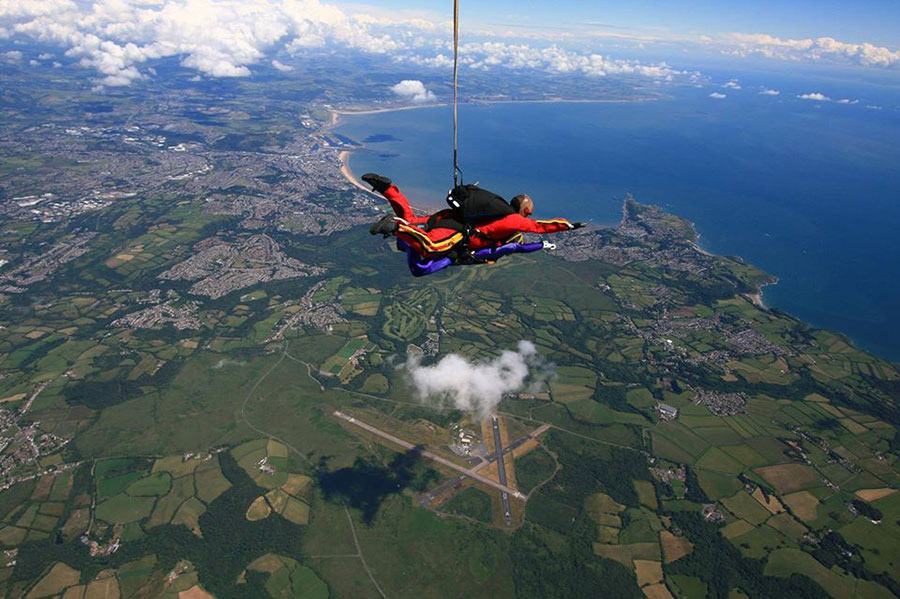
[[732, 84], [717, 95], [477, 387], [769, 92], [281, 66], [413, 90]]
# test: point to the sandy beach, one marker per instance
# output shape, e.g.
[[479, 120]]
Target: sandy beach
[[757, 298], [344, 155], [348, 174], [336, 112]]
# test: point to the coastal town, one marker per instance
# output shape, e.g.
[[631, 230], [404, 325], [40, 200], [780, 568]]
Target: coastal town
[[218, 267]]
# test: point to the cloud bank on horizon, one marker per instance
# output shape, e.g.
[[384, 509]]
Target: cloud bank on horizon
[[477, 387], [225, 38], [770, 46]]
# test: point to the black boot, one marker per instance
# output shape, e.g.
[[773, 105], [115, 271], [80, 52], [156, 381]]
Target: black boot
[[387, 226], [378, 183]]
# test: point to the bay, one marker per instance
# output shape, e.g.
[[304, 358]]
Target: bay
[[808, 191]]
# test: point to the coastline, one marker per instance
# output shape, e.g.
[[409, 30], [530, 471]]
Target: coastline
[[344, 155], [335, 112], [757, 298]]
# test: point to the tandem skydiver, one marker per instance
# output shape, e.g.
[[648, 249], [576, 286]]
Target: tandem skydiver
[[461, 236]]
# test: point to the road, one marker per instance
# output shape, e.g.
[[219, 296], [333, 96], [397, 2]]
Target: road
[[501, 468], [427, 454]]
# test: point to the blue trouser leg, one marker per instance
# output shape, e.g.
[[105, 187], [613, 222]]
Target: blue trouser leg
[[421, 267], [418, 266], [506, 249]]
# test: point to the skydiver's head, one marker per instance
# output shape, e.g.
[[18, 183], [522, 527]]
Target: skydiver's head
[[522, 204]]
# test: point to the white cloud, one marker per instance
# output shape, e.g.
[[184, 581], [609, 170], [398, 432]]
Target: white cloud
[[413, 90], [225, 38], [477, 387], [762, 40], [12, 56], [717, 95], [732, 84], [281, 66], [485, 56], [744, 44], [769, 92], [818, 97], [220, 38], [34, 8]]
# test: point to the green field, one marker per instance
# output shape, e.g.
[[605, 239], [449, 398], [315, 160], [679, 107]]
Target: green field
[[122, 509], [156, 484], [471, 503], [550, 513], [182, 424], [534, 468]]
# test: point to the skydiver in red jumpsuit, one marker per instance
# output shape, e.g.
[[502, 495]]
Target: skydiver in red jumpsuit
[[437, 241]]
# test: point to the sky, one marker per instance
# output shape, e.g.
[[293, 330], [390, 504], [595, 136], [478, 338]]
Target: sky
[[873, 21], [117, 41]]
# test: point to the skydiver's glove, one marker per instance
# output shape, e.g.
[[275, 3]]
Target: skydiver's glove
[[386, 226], [378, 183], [549, 246], [578, 225]]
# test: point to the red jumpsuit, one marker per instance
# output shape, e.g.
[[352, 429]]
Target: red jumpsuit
[[488, 233]]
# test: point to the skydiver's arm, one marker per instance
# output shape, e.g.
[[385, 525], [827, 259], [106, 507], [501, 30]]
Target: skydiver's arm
[[553, 225], [518, 223]]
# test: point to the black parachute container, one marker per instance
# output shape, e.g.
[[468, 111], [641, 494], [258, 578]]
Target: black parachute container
[[471, 203]]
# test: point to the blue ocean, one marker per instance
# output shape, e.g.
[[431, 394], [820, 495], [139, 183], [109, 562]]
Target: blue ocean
[[808, 190]]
